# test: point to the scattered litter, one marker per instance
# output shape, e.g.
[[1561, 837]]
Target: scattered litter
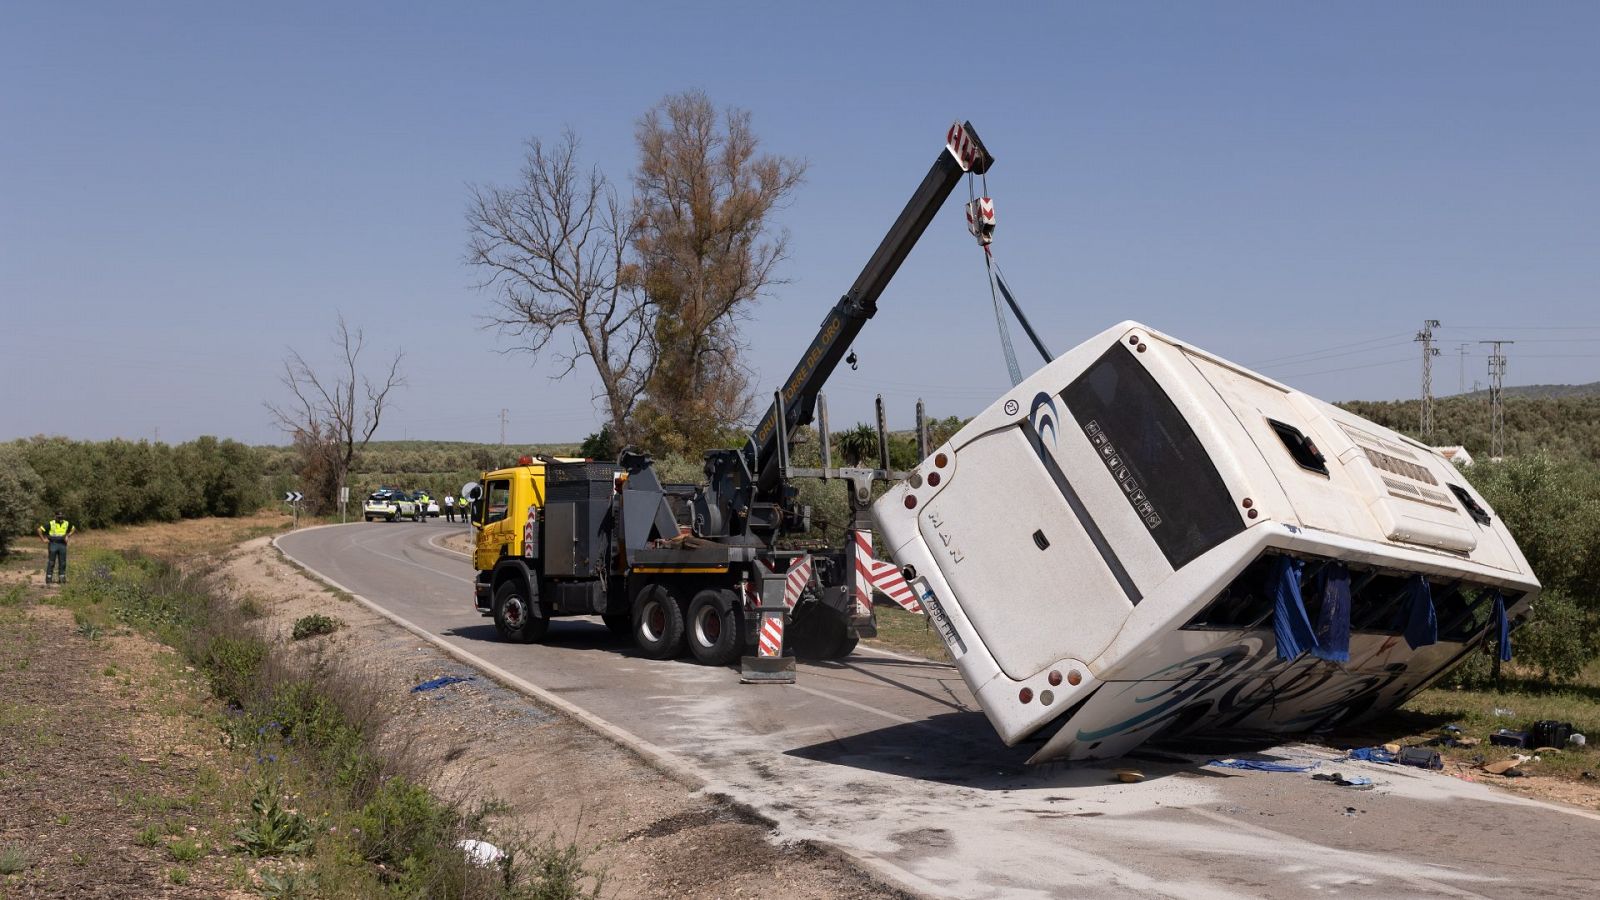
[[1506, 737], [1451, 729], [1549, 733], [481, 853], [1588, 776], [1351, 811], [1372, 754], [1129, 776], [1355, 782], [1576, 740], [434, 684], [1420, 757], [1392, 748], [1503, 712], [1504, 767], [1262, 765]]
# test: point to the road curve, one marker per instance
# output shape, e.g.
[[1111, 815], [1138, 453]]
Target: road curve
[[889, 758]]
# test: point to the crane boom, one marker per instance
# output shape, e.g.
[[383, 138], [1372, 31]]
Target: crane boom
[[963, 152]]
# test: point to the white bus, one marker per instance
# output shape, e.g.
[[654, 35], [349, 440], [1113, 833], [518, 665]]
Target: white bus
[[1144, 539]]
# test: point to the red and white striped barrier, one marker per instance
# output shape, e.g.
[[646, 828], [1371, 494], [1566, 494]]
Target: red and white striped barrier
[[770, 642], [794, 584], [880, 575]]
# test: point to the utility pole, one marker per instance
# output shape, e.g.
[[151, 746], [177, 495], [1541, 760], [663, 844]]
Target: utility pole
[[1497, 411], [1461, 351], [1425, 338], [503, 427]]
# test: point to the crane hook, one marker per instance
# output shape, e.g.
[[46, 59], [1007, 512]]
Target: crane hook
[[852, 360]]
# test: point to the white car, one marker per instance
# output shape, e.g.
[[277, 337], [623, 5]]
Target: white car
[[390, 505]]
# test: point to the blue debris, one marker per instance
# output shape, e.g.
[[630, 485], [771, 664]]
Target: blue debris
[[1262, 765], [1372, 754], [434, 684]]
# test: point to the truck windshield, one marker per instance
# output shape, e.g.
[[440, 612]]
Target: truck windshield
[[1154, 455]]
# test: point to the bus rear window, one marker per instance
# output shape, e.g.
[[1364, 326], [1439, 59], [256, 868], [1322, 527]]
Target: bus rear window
[[1154, 455]]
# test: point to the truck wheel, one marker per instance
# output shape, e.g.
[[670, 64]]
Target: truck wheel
[[818, 631], [658, 623], [513, 616], [621, 624], [715, 630]]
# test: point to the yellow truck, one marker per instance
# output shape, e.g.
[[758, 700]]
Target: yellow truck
[[505, 512]]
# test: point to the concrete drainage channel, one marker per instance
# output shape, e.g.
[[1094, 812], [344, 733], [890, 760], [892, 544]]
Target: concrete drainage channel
[[678, 769]]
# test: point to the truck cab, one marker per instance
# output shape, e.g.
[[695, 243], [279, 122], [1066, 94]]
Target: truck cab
[[500, 514]]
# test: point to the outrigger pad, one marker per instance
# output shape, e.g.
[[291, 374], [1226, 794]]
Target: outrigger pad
[[766, 670]]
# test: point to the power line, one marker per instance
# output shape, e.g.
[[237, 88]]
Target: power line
[[1293, 356], [1425, 337], [1497, 413]]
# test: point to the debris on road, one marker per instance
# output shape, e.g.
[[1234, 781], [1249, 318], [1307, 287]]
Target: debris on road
[[1129, 776], [434, 684], [1263, 765], [1372, 754], [1355, 782], [1421, 757]]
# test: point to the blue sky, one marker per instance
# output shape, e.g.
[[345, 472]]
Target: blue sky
[[188, 189]]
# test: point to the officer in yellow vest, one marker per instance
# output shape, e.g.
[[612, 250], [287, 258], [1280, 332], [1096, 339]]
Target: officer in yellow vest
[[55, 533]]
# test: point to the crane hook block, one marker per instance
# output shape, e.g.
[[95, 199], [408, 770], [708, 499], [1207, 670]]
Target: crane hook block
[[967, 148], [980, 220]]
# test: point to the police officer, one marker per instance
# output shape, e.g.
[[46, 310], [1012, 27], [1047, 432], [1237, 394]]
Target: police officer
[[463, 507], [449, 507], [55, 533]]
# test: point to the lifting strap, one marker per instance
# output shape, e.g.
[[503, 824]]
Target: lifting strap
[[981, 222]]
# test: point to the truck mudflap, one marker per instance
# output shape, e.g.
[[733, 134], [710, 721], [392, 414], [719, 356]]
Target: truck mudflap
[[482, 597]]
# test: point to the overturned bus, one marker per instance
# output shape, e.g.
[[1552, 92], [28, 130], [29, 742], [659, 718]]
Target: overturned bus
[[1142, 539]]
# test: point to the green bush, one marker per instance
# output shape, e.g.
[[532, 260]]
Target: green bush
[[273, 830], [313, 625], [121, 482], [233, 662], [21, 497]]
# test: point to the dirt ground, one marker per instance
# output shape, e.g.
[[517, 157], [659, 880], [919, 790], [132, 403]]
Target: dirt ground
[[484, 742], [107, 788]]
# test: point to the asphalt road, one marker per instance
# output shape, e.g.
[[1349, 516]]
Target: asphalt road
[[889, 758]]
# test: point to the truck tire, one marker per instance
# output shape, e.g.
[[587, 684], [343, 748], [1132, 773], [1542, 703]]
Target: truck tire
[[658, 623], [620, 624], [513, 615], [715, 628], [818, 631]]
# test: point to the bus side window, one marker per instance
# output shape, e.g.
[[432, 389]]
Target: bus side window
[[1376, 602], [1465, 612], [1245, 603]]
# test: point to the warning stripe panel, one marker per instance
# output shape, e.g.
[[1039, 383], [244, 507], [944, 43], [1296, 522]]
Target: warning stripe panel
[[794, 583], [771, 641]]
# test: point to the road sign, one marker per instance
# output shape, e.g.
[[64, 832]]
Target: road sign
[[344, 494], [293, 497]]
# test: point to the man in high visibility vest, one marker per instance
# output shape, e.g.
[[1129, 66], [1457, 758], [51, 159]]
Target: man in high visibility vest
[[55, 533]]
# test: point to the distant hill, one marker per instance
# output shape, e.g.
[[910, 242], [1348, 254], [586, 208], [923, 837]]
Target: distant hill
[[1562, 420], [1541, 391]]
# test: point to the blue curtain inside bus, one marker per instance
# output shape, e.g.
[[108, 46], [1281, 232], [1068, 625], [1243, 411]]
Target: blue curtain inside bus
[[1333, 619], [1503, 628], [1418, 621], [1290, 623]]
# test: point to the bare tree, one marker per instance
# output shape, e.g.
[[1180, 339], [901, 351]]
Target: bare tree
[[555, 249], [334, 413], [707, 252]]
